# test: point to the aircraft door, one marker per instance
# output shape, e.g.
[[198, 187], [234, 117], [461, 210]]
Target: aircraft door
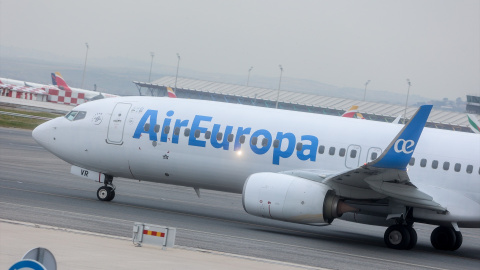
[[353, 156], [373, 153], [117, 123]]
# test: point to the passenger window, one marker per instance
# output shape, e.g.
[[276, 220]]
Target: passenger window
[[321, 149], [156, 128], [373, 156], [457, 167], [412, 161], [219, 136], [197, 133], [80, 115], [186, 132], [254, 140], [299, 146], [146, 127], [469, 169], [276, 143], [446, 165], [331, 151], [71, 115], [177, 131], [208, 134], [353, 153], [423, 163], [264, 142], [166, 130], [435, 164], [242, 139], [342, 152], [230, 137]]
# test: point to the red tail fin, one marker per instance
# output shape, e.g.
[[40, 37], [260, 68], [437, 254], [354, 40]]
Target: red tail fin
[[60, 82]]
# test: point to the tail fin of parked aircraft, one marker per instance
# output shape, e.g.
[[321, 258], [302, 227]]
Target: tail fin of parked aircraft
[[171, 93], [353, 113], [473, 123], [60, 82]]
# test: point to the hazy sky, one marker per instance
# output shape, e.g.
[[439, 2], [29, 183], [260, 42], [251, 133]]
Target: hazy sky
[[434, 43]]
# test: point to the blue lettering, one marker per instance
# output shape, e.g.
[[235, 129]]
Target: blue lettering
[[196, 126], [224, 143], [240, 131], [166, 122], [312, 148], [264, 148], [152, 114], [278, 153], [178, 123]]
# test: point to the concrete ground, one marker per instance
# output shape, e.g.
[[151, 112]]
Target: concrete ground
[[83, 250]]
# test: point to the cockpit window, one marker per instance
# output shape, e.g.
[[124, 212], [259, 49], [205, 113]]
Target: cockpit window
[[75, 115]]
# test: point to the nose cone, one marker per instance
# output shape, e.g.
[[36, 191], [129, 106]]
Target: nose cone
[[43, 134]]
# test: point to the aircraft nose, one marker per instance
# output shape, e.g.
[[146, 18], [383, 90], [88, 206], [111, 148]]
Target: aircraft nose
[[42, 134]]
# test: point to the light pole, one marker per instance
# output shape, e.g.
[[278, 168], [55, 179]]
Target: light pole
[[365, 93], [248, 79], [279, 84], [406, 102], [176, 76], [152, 54], [85, 65]]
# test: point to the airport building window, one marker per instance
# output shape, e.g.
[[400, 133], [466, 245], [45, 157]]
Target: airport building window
[[446, 165], [412, 161], [469, 169], [230, 137], [435, 164], [423, 163], [373, 156], [197, 133], [353, 153], [299, 146], [331, 151], [242, 139], [219, 136], [342, 152], [186, 132], [177, 131], [208, 134], [321, 149], [457, 167], [146, 127], [254, 140], [166, 130], [156, 128], [276, 143]]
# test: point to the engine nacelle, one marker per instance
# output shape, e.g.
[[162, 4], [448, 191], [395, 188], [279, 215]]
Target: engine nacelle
[[290, 198]]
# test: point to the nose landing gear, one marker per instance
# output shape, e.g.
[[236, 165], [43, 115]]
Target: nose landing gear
[[106, 193]]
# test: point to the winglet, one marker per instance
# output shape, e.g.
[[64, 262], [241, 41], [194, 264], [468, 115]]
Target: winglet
[[400, 150]]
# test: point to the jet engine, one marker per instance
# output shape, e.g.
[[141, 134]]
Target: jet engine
[[290, 198]]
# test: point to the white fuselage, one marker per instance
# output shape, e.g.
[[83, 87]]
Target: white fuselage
[[111, 139]]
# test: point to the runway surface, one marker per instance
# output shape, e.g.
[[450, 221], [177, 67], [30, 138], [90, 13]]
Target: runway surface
[[36, 186]]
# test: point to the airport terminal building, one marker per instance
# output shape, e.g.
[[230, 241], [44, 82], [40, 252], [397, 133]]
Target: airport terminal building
[[289, 100]]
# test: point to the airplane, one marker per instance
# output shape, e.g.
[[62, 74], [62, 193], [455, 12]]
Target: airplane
[[170, 93], [59, 82], [289, 166], [353, 113], [473, 123]]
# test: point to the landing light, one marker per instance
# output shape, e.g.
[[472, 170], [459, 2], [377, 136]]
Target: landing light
[[239, 153]]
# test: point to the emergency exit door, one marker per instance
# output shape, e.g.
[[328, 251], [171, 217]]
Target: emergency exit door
[[117, 123]]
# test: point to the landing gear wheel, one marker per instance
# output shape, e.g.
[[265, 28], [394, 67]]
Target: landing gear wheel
[[458, 241], [397, 237], [444, 238], [413, 238], [105, 193]]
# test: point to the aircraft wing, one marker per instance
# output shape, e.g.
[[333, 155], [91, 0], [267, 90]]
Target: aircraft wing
[[385, 177]]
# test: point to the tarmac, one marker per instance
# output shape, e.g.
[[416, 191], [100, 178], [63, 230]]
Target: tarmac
[[85, 250]]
